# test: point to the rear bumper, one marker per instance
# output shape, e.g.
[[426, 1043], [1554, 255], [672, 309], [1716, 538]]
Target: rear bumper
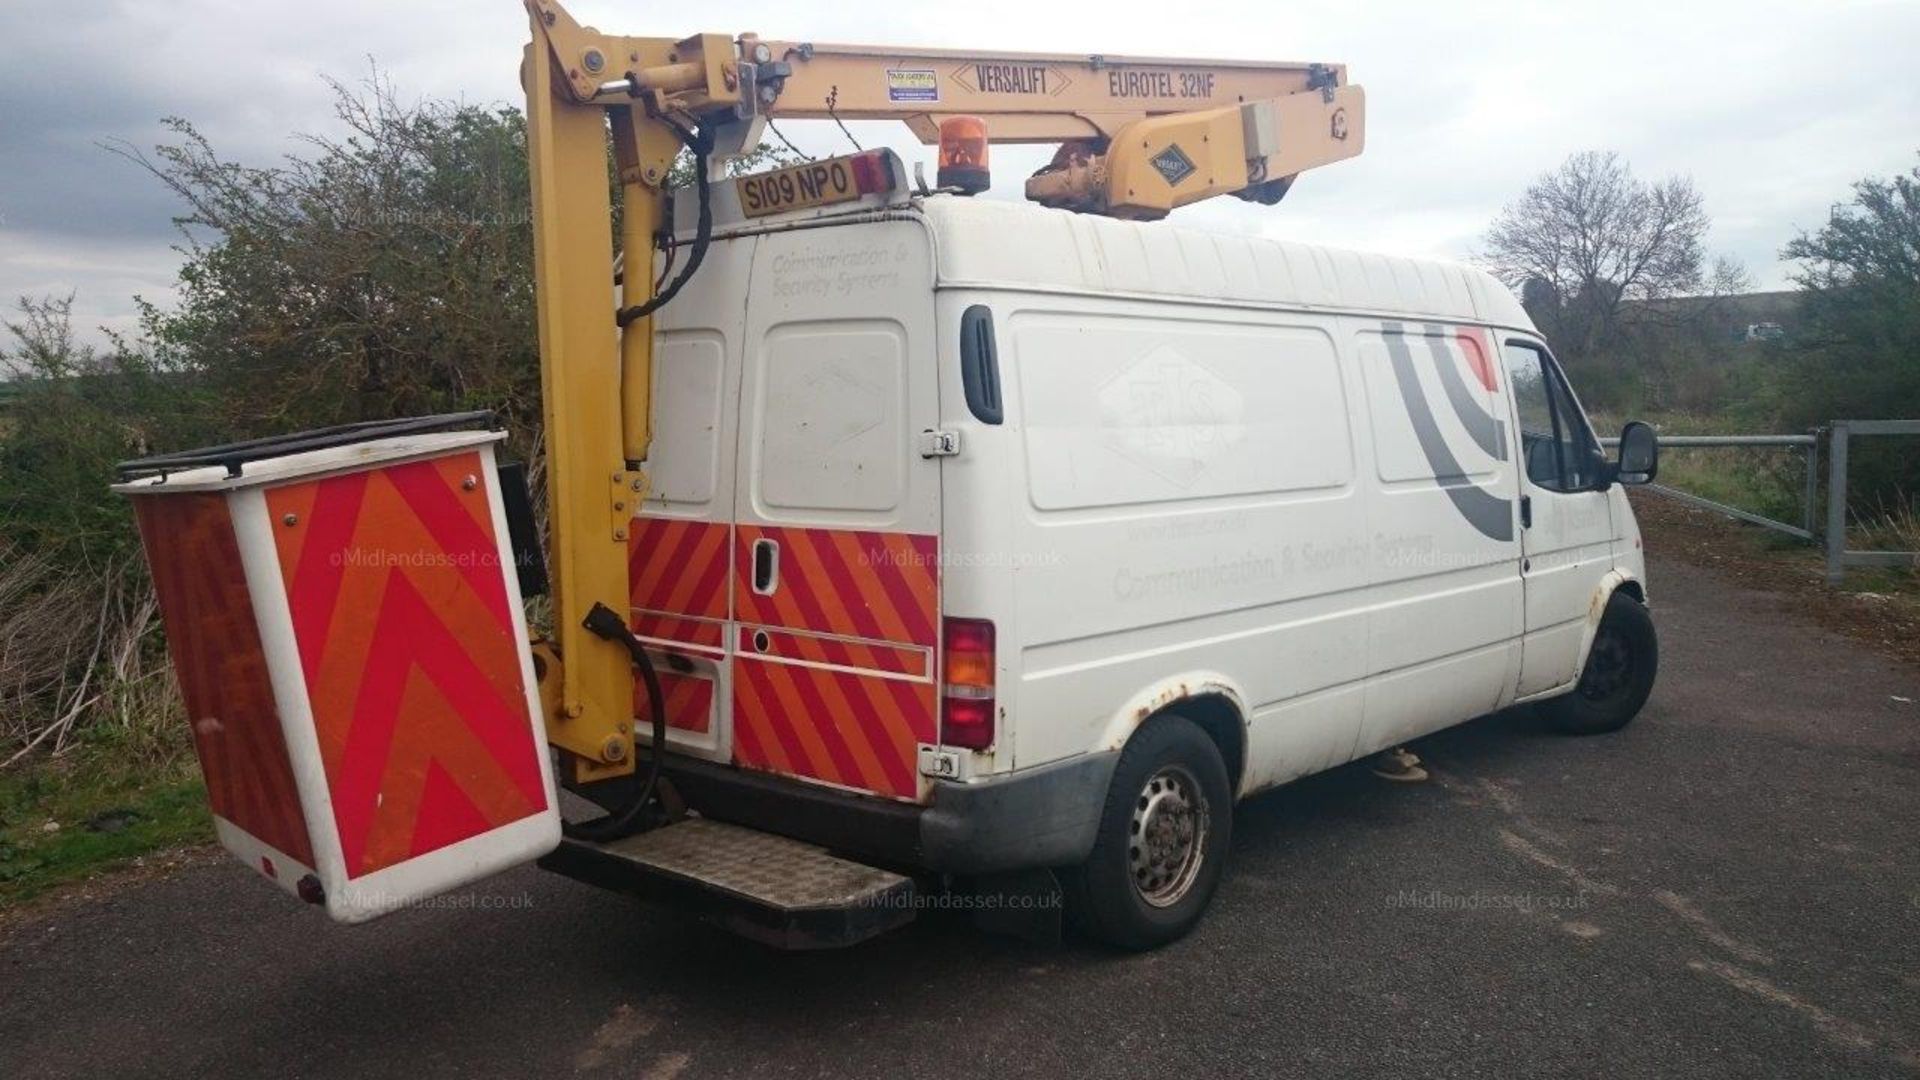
[[1044, 816]]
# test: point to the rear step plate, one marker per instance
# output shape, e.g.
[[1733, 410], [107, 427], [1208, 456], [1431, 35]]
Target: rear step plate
[[769, 888]]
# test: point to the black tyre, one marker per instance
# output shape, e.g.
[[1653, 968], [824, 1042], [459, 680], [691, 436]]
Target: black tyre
[[1619, 675], [1163, 839]]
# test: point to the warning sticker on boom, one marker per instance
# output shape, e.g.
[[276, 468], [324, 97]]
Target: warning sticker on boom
[[913, 84]]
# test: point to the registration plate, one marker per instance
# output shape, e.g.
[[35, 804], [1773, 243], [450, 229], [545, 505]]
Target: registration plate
[[798, 187]]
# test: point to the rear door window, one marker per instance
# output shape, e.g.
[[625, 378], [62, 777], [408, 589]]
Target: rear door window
[[833, 416]]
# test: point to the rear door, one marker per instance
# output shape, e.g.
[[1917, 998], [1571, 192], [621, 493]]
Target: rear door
[[680, 544], [834, 561]]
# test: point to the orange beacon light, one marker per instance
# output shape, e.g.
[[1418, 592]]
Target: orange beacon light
[[963, 154]]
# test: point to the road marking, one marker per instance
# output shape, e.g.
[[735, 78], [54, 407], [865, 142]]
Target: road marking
[[1500, 796], [1524, 848], [621, 1030], [668, 1067], [1708, 929], [1837, 1029]]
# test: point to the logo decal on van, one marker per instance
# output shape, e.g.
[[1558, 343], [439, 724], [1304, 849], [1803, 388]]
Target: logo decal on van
[[1490, 514], [1485, 429], [1171, 414]]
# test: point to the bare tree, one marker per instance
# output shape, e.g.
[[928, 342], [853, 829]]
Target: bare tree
[[1589, 237]]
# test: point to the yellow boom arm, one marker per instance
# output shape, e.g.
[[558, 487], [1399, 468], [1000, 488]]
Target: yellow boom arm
[[1139, 136]]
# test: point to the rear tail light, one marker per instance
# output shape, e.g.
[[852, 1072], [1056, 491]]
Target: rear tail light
[[966, 702], [871, 172]]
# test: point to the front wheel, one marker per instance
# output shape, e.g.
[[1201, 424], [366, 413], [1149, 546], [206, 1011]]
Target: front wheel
[[1162, 842], [1621, 666]]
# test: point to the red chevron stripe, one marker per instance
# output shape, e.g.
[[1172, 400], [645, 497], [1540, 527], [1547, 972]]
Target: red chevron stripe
[[859, 720], [855, 721], [904, 710], [786, 718], [859, 586], [842, 727], [751, 745], [689, 700], [678, 566], [708, 552], [710, 588], [826, 723], [429, 495], [747, 748], [678, 545], [815, 595], [755, 703], [335, 510], [903, 580], [378, 651]]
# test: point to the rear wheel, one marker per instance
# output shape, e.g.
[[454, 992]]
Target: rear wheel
[[1619, 675], [1162, 842]]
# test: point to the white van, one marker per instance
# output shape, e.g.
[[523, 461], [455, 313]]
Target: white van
[[985, 536]]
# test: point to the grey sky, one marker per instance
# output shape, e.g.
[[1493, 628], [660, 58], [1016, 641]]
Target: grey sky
[[1773, 108]]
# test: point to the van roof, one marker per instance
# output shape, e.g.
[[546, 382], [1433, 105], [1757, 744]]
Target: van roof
[[991, 243]]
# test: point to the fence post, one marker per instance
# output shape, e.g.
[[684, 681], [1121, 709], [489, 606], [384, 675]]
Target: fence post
[[1837, 504], [1810, 506]]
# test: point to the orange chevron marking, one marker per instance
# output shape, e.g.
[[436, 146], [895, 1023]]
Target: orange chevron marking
[[400, 611], [866, 717], [849, 728], [678, 567], [689, 700]]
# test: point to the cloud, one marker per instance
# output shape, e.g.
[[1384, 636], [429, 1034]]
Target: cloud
[[1772, 107]]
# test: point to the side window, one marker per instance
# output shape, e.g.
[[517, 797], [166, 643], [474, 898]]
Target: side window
[[1558, 446]]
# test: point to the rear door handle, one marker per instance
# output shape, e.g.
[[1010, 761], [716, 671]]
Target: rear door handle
[[766, 566], [1526, 511]]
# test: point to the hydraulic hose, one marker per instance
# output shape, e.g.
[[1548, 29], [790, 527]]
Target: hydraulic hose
[[603, 622], [701, 144]]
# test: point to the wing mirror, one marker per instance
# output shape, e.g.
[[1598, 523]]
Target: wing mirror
[[1639, 460]]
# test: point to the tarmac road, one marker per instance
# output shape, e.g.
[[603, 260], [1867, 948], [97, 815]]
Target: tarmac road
[[1731, 887]]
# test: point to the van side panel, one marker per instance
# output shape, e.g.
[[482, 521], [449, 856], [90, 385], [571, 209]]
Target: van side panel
[[1191, 504]]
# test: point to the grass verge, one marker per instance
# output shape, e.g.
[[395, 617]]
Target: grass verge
[[66, 820]]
